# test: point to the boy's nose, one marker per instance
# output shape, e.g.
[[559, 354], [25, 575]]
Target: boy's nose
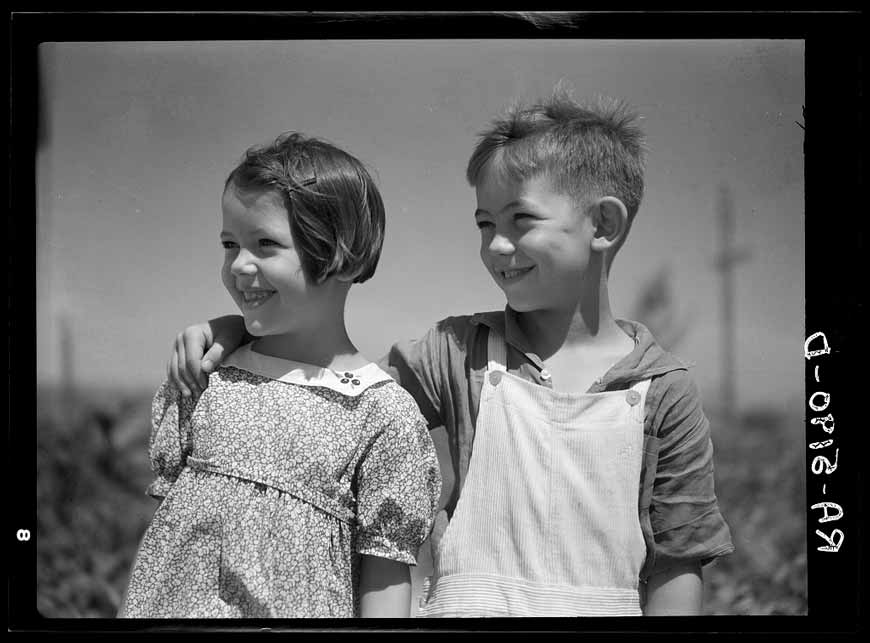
[[501, 245]]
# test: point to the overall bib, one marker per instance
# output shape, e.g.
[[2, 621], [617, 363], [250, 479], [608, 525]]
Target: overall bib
[[547, 521]]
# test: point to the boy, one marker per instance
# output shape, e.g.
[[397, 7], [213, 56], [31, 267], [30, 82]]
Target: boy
[[580, 457]]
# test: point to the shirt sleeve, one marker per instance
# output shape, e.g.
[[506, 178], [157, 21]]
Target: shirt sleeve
[[684, 513], [169, 444], [398, 486], [415, 365]]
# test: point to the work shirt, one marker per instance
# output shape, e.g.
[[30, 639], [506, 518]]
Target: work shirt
[[679, 513]]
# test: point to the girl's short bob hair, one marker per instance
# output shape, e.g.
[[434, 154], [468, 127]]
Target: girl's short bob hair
[[335, 209]]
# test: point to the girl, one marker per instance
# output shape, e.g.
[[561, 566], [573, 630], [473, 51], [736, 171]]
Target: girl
[[303, 481]]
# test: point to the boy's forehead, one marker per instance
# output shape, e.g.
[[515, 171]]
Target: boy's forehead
[[496, 190]]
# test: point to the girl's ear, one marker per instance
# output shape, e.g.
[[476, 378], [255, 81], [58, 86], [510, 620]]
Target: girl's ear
[[611, 219], [347, 277]]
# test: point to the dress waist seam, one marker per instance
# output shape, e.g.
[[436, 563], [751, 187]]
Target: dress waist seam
[[299, 490]]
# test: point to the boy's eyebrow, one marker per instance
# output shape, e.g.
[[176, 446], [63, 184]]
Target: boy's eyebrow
[[512, 204]]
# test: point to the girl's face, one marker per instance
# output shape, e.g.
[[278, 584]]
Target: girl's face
[[535, 243], [262, 269]]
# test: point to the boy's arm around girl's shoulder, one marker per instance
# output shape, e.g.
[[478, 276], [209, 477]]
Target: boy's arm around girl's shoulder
[[430, 366], [169, 441], [684, 513]]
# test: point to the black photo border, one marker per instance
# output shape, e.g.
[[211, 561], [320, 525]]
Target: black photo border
[[835, 245]]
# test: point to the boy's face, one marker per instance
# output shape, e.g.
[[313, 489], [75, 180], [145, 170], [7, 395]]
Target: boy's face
[[535, 242], [262, 270]]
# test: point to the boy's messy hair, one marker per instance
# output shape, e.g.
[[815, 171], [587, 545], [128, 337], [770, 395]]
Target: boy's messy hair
[[588, 150], [336, 211]]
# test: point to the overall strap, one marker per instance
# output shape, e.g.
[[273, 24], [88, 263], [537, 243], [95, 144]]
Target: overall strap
[[496, 352], [641, 386]]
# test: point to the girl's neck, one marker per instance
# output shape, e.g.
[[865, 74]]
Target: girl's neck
[[327, 346]]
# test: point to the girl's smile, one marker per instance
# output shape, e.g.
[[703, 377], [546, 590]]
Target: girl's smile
[[256, 298]]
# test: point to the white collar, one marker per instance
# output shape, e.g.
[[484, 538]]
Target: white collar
[[350, 383]]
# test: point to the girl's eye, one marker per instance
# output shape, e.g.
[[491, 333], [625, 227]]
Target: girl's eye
[[523, 216], [483, 224], [228, 245], [268, 242]]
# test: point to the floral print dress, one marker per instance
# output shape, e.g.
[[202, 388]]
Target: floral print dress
[[273, 484]]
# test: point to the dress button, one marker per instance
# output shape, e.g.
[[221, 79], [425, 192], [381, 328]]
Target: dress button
[[632, 397], [495, 378]]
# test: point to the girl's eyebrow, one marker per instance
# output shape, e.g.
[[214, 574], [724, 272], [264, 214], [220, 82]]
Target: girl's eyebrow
[[259, 230]]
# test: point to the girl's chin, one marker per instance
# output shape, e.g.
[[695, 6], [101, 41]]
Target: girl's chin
[[254, 327]]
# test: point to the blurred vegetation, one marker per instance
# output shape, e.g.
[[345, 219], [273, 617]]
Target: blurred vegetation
[[93, 469], [761, 486]]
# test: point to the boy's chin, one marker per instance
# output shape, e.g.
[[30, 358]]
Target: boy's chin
[[519, 305]]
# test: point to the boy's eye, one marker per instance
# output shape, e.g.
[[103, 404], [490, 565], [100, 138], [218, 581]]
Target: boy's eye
[[228, 245], [483, 224], [268, 242]]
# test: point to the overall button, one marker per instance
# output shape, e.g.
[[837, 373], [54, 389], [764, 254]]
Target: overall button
[[495, 378], [632, 397]]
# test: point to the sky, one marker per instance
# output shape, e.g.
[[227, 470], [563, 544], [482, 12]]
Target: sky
[[140, 136]]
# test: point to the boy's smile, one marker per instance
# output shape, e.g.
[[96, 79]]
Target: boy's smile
[[513, 274], [534, 242]]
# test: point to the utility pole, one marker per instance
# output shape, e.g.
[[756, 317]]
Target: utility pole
[[67, 365], [729, 256]]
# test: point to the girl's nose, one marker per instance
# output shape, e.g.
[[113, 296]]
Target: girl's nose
[[243, 264], [501, 245]]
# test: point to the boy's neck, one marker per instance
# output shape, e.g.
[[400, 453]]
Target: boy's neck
[[588, 325]]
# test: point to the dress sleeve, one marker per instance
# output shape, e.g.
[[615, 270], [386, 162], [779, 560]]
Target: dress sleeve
[[684, 513], [170, 437], [398, 485]]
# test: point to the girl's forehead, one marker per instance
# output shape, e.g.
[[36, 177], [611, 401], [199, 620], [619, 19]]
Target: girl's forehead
[[252, 200], [263, 214]]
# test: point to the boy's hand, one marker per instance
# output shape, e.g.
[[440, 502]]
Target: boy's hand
[[190, 364]]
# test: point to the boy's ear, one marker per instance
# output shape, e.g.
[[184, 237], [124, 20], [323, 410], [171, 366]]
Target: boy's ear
[[611, 219]]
